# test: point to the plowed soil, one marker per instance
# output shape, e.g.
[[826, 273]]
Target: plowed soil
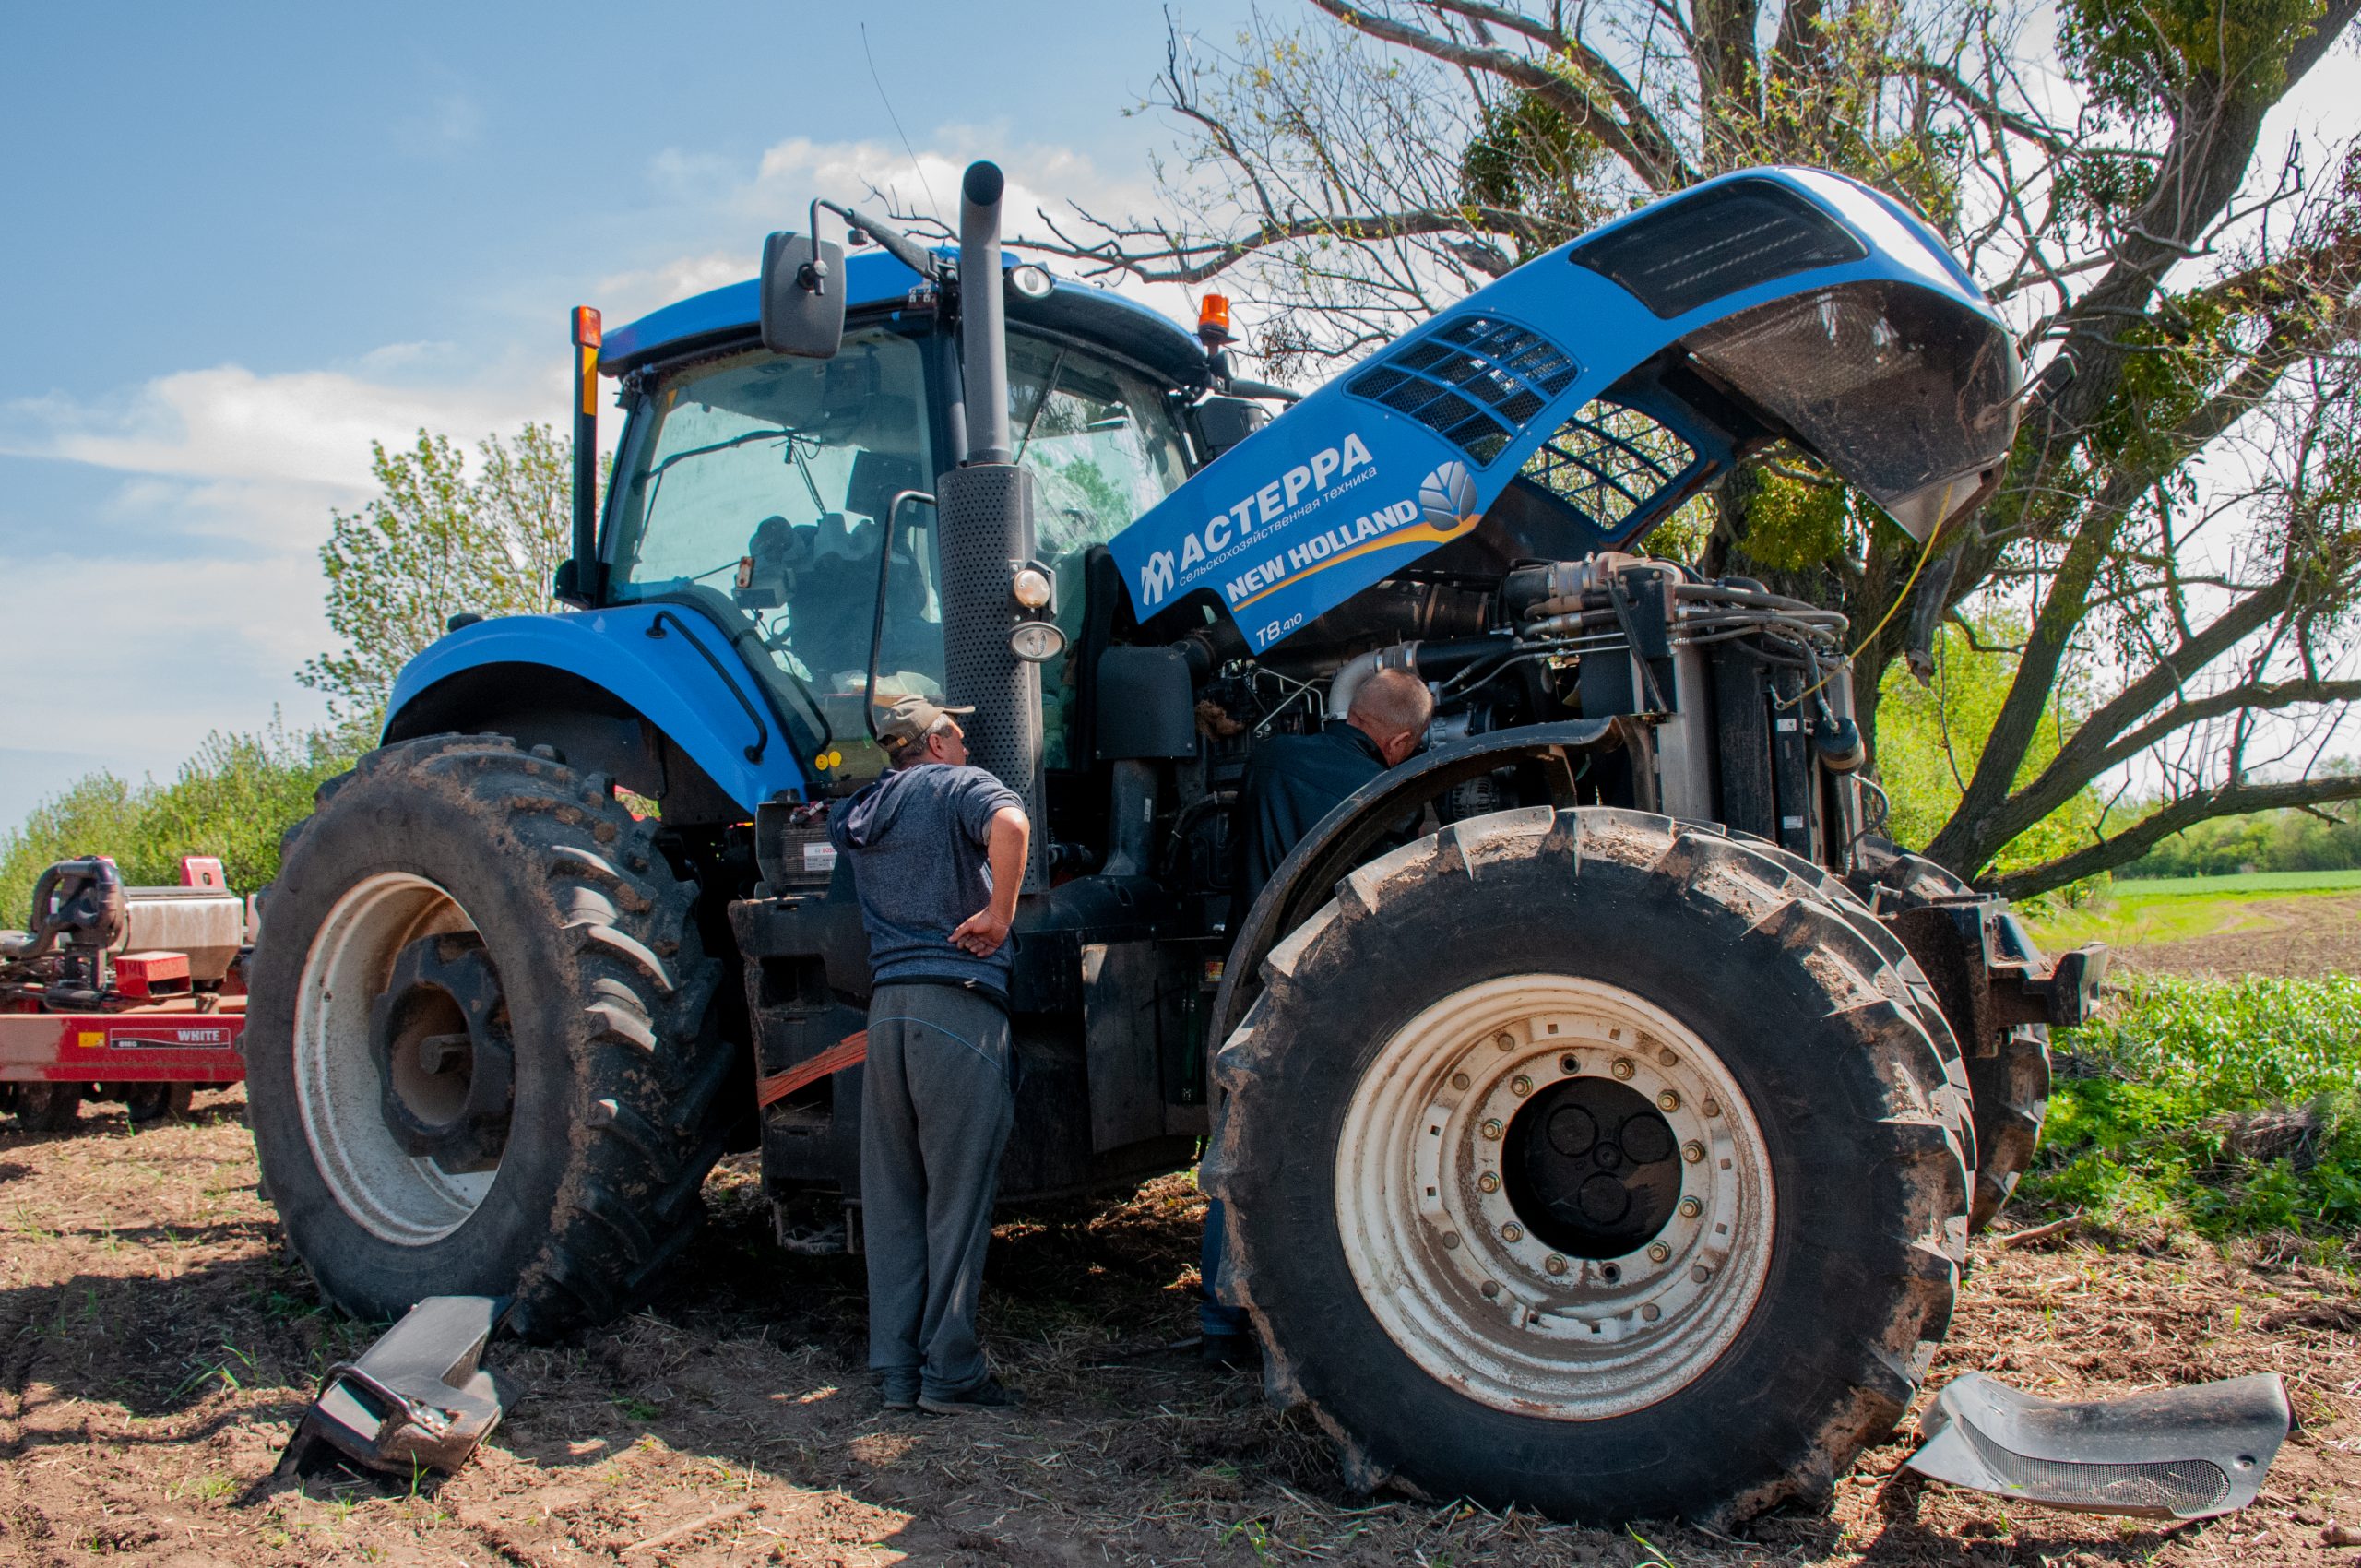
[[156, 1345], [2307, 934]]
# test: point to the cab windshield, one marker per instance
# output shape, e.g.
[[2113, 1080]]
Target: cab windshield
[[1103, 442], [764, 493], [763, 489]]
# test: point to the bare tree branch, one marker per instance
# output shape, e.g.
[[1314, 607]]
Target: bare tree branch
[[2233, 800]]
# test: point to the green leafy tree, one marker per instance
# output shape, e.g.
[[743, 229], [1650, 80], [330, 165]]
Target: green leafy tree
[[444, 535], [2179, 530], [233, 799], [1934, 730]]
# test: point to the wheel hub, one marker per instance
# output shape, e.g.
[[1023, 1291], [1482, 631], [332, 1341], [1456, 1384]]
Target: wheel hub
[[1589, 1166], [439, 1037], [1554, 1196]]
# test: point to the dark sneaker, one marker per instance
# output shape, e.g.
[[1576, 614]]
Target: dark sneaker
[[986, 1395], [897, 1394]]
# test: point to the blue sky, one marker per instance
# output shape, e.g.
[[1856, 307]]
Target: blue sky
[[246, 241]]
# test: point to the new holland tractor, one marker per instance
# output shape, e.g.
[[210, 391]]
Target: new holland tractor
[[1601, 1106]]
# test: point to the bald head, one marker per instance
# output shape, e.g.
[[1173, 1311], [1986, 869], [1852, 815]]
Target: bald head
[[1391, 707]]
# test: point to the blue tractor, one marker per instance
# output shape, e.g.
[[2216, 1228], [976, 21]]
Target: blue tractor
[[1601, 1106]]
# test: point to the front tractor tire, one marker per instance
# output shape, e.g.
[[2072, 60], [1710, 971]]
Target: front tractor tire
[[476, 1056], [1596, 1163]]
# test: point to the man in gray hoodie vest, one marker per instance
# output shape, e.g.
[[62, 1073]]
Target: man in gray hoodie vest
[[937, 849]]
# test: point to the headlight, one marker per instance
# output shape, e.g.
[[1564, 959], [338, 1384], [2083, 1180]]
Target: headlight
[[1037, 641], [1029, 280]]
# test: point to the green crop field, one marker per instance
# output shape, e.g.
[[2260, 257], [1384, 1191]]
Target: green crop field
[[2251, 883], [2224, 1108]]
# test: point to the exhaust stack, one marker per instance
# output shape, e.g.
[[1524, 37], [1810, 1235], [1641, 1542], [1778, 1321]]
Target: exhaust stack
[[987, 531], [983, 316]]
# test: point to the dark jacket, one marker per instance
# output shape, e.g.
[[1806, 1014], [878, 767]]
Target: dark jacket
[[1292, 782], [917, 842]]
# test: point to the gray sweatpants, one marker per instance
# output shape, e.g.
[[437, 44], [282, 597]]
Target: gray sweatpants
[[936, 1109]]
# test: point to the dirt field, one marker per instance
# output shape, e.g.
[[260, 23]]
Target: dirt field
[[2306, 935], [155, 1344]]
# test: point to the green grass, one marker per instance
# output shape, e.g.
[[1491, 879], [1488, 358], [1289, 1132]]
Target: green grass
[[2221, 1107], [2251, 881]]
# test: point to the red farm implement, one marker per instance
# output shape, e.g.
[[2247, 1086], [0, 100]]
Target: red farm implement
[[125, 994]]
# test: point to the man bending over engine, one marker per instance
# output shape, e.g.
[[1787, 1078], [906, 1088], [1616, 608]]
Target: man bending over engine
[[1291, 783]]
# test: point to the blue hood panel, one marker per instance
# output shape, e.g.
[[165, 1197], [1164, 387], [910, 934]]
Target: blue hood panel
[[1345, 488]]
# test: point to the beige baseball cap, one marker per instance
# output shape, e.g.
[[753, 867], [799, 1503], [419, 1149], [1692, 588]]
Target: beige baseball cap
[[907, 722]]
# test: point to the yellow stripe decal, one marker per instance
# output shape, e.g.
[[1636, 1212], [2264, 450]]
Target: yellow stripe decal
[[1424, 533]]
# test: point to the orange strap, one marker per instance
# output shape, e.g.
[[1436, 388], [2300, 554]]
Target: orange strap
[[849, 1052]]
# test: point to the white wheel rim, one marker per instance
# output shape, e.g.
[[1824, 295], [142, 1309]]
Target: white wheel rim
[[1442, 1255], [391, 1193]]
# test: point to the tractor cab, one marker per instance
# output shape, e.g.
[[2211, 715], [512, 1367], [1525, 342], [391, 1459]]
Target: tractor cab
[[791, 499]]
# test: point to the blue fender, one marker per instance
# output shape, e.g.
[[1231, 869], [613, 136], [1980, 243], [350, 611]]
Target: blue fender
[[1347, 488], [666, 661]]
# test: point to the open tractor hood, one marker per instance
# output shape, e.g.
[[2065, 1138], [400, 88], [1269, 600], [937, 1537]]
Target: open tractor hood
[[1611, 379]]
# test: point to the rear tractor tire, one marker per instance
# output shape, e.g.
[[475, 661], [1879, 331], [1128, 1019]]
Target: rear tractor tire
[[1595, 1163], [476, 1054]]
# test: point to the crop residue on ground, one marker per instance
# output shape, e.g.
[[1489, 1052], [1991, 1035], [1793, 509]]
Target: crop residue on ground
[[159, 1342]]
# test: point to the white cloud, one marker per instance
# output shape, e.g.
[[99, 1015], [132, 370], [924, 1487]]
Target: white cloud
[[301, 427], [164, 650], [880, 178], [626, 296], [448, 123]]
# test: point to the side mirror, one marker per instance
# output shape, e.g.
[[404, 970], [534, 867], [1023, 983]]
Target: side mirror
[[802, 296]]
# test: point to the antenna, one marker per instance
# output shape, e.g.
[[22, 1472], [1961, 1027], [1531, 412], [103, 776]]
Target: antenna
[[916, 166]]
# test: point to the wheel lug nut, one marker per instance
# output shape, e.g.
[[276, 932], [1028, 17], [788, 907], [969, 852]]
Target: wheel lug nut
[[1691, 1208], [1459, 1080], [1505, 1040], [1691, 1151], [1712, 1107], [1520, 1086], [1491, 1129], [1487, 1183], [1658, 1252], [1491, 1288], [1450, 1241], [1652, 1312], [1622, 1068], [1701, 1273], [1512, 1232], [1667, 1101], [1554, 1263]]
